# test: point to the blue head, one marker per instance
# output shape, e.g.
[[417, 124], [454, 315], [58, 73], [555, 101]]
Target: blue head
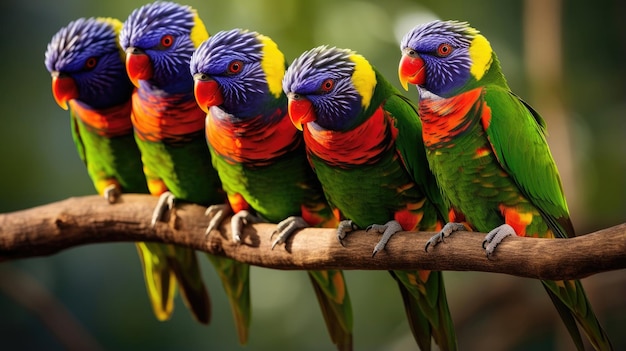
[[240, 71], [329, 86], [159, 39], [444, 57], [87, 64]]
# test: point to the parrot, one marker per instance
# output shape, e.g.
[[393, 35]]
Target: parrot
[[159, 39], [88, 74], [488, 150], [260, 156], [363, 140]]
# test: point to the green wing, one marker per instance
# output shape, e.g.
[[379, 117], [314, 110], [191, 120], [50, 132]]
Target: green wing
[[78, 141], [412, 150], [424, 298], [517, 135]]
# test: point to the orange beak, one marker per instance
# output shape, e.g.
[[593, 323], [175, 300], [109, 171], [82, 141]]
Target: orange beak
[[138, 65], [63, 89], [411, 70], [300, 111], [207, 93]]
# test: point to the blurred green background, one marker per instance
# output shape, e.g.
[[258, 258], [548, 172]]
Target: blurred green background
[[566, 59]]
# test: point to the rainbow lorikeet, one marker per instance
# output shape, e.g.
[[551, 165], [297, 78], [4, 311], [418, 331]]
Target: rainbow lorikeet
[[363, 139], [88, 73], [260, 156], [488, 151], [159, 39]]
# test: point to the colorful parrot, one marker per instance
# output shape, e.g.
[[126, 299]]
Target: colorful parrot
[[363, 141], [260, 156], [88, 73], [159, 39], [488, 151]]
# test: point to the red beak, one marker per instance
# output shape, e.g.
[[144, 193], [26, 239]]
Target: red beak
[[63, 89], [138, 65], [207, 93], [300, 111], [411, 70]]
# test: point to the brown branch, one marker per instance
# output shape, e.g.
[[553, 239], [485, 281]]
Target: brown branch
[[50, 228]]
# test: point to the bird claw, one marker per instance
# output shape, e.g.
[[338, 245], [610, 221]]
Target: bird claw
[[346, 226], [238, 220], [379, 228], [218, 213], [495, 237], [286, 228], [112, 193], [446, 231], [166, 202], [388, 229]]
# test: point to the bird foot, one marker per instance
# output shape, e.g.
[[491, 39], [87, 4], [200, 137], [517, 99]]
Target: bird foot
[[446, 231], [166, 202], [495, 237], [218, 213], [388, 229], [286, 228], [345, 227], [238, 220], [112, 193]]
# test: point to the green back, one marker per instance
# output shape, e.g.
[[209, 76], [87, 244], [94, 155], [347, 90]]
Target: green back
[[368, 194], [184, 167], [275, 191], [517, 135], [109, 157]]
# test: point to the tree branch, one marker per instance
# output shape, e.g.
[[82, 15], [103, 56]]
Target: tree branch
[[48, 229]]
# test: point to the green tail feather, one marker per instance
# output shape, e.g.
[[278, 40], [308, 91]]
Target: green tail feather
[[418, 323], [571, 302], [427, 309], [159, 279], [568, 319], [184, 264], [164, 263], [332, 295], [235, 278]]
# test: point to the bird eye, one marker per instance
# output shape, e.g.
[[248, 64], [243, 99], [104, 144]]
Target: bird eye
[[167, 41], [91, 63], [444, 50], [235, 67], [327, 85]]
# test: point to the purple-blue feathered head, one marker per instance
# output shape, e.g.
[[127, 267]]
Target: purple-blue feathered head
[[442, 56], [159, 39], [320, 88], [86, 63], [228, 71]]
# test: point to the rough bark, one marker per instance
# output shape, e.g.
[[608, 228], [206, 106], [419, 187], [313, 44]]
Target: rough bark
[[48, 229]]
